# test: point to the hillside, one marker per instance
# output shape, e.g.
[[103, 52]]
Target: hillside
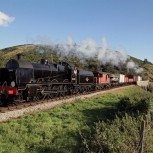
[[148, 71], [31, 53], [147, 66], [36, 52]]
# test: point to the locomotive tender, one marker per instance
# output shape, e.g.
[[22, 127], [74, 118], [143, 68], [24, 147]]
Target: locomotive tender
[[25, 81]]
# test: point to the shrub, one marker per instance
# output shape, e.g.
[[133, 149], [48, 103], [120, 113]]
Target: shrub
[[142, 106], [134, 105], [124, 104], [122, 135]]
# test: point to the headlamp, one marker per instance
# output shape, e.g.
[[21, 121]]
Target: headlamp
[[12, 84]]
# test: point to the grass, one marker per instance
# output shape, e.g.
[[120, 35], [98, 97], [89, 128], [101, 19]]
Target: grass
[[60, 130]]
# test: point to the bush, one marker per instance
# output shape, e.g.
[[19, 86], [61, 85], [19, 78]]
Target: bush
[[122, 135], [124, 104], [118, 136], [142, 106], [135, 105]]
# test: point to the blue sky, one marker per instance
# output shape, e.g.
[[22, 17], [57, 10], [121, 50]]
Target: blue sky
[[126, 24]]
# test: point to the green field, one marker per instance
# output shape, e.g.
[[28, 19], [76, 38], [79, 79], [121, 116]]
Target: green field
[[92, 125]]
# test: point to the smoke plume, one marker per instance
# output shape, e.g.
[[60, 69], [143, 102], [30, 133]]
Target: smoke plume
[[132, 65], [88, 48], [108, 55]]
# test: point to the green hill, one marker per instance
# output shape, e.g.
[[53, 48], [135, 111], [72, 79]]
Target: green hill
[[147, 66], [31, 53], [36, 52]]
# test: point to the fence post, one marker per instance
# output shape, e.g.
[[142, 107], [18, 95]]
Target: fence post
[[141, 142]]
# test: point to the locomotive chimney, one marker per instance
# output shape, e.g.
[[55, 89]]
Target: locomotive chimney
[[20, 56]]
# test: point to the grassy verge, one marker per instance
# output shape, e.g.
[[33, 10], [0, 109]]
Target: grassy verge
[[67, 129]]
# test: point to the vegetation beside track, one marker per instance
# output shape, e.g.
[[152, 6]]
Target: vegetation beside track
[[108, 123]]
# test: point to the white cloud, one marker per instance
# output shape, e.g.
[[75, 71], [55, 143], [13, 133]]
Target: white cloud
[[5, 19]]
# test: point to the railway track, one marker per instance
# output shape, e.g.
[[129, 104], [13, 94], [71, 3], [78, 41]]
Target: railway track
[[15, 111]]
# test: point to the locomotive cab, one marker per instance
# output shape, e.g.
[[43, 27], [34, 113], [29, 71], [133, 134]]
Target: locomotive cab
[[69, 70]]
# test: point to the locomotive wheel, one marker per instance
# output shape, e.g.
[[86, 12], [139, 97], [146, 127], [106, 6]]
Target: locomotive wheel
[[82, 89], [39, 96], [56, 90], [64, 90], [51, 95], [97, 87], [61, 90], [70, 90], [102, 87], [76, 90], [88, 88]]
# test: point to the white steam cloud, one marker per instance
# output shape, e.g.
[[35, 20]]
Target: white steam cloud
[[88, 48], [108, 55], [132, 65], [5, 19]]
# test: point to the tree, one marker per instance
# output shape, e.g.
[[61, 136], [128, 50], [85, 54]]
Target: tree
[[145, 61]]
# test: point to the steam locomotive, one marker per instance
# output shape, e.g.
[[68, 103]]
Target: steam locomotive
[[29, 81], [25, 81]]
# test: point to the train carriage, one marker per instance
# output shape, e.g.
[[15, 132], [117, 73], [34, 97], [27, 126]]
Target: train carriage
[[101, 79]]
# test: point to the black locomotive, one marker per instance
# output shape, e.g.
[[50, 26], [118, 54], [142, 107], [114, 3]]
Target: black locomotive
[[24, 81]]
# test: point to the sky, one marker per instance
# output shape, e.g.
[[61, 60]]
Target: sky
[[125, 24]]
